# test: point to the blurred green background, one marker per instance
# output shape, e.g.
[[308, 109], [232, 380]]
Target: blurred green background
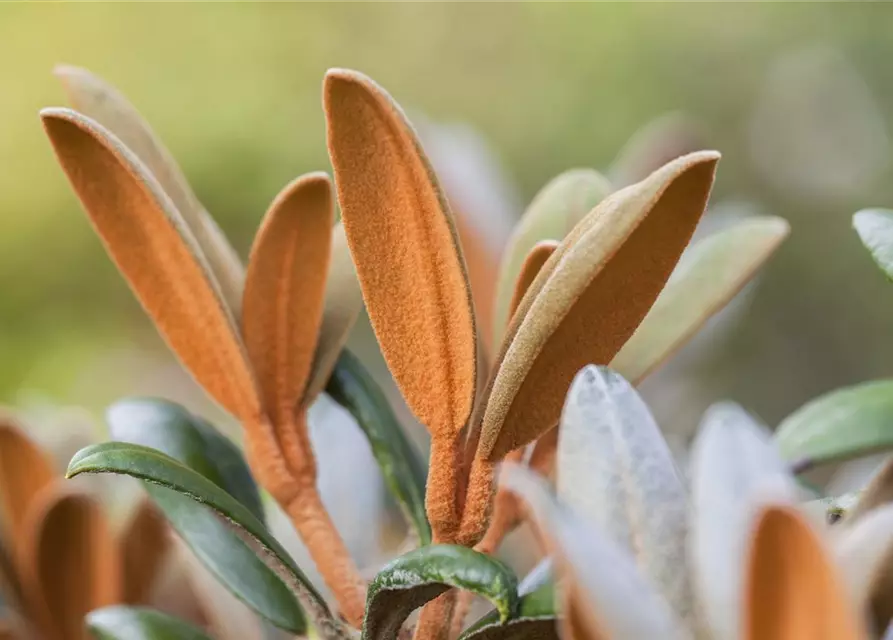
[[798, 97]]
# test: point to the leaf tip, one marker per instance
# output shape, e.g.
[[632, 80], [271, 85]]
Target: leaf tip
[[778, 226], [595, 377], [57, 113], [59, 120], [865, 220], [67, 72], [337, 80]]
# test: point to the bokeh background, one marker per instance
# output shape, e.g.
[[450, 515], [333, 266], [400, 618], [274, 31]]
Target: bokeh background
[[798, 97]]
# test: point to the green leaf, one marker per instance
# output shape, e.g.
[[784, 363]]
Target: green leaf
[[233, 563], [353, 388], [155, 467], [875, 229], [139, 623], [536, 619], [189, 439], [707, 278], [423, 574], [840, 425]]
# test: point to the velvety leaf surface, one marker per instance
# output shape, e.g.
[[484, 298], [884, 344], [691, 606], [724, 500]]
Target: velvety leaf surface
[[616, 470], [423, 574], [70, 563], [875, 229], [155, 251], [405, 247], [411, 270], [139, 623], [97, 99], [554, 211], [734, 468], [603, 593], [793, 588], [25, 473], [189, 439], [562, 325], [155, 467], [840, 425], [352, 387]]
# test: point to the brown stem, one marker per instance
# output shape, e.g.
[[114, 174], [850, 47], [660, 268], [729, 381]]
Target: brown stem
[[506, 514], [460, 612], [505, 518], [444, 488], [434, 621], [329, 553], [292, 483], [478, 502]]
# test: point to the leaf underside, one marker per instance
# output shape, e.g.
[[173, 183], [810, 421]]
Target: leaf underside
[[423, 574]]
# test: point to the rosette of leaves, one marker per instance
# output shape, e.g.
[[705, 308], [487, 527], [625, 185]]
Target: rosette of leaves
[[266, 340]]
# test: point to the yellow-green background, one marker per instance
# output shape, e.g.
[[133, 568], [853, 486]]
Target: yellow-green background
[[234, 90]]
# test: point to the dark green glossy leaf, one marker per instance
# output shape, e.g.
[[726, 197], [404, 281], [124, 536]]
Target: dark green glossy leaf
[[139, 623], [189, 439], [875, 229], [423, 574], [536, 619], [353, 388], [841, 425], [159, 469], [235, 565]]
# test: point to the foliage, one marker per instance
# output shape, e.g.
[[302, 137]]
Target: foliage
[[637, 550]]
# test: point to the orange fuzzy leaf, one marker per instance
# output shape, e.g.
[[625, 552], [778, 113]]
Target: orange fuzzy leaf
[[530, 268], [284, 292], [342, 306], [156, 253], [96, 99], [25, 473], [72, 564], [145, 544], [406, 251], [553, 212], [590, 296], [792, 590]]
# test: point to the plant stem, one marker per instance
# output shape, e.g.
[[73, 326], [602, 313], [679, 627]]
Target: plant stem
[[435, 619], [292, 483], [327, 548], [478, 502], [444, 488]]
